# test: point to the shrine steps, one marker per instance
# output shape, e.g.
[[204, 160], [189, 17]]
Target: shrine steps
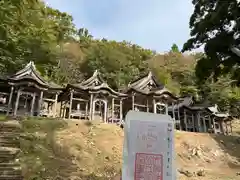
[[10, 169]]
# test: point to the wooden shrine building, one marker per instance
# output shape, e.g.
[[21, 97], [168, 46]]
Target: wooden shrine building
[[201, 118], [27, 93], [148, 95], [92, 99]]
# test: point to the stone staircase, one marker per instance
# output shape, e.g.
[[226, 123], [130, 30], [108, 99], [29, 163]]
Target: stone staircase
[[10, 168]]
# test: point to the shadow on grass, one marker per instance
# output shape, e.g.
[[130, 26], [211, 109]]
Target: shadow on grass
[[43, 158], [231, 145]]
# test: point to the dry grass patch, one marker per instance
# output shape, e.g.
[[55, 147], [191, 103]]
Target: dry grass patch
[[69, 150], [86, 150]]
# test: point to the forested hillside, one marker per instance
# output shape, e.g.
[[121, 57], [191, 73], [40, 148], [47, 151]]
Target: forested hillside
[[64, 53]]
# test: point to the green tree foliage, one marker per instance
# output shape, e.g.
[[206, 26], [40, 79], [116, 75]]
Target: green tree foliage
[[174, 48], [222, 92], [216, 25], [118, 62], [31, 31], [176, 71]]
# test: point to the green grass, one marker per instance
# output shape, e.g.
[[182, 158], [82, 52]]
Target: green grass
[[43, 158], [2, 117], [40, 158]]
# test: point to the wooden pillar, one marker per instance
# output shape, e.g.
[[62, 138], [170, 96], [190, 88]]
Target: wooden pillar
[[60, 110], [70, 105], [10, 100], [198, 121], [226, 127], [113, 101], [231, 126], [105, 111], [133, 102], [173, 114], [209, 123], [204, 123], [94, 108], [173, 110], [154, 106], [221, 126], [179, 118], [214, 128], [64, 111], [55, 105], [91, 107], [86, 111], [147, 106], [16, 102], [121, 110], [40, 102], [185, 120], [32, 104], [193, 122], [166, 105]]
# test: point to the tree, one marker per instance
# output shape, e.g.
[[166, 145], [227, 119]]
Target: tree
[[174, 48], [85, 37], [222, 92], [119, 62], [31, 31], [216, 25]]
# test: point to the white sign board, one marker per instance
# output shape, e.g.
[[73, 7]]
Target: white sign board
[[148, 147]]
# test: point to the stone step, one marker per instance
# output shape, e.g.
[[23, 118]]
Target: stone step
[[10, 135], [13, 168], [10, 130], [8, 124], [9, 140], [9, 151], [5, 166], [7, 135], [8, 158], [11, 177], [11, 173], [9, 144]]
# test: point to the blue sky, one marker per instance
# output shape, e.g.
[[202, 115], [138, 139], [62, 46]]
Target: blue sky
[[153, 24]]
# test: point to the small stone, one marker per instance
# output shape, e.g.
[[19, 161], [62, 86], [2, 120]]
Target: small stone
[[185, 172], [208, 160], [201, 173], [82, 169], [238, 173]]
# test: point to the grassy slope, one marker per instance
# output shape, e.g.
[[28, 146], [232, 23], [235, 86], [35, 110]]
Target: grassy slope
[[81, 150]]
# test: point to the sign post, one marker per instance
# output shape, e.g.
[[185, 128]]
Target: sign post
[[148, 147]]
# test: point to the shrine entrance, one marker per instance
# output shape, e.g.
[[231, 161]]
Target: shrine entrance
[[24, 106], [160, 108], [100, 109]]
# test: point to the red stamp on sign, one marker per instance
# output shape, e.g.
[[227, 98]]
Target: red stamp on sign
[[148, 167]]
